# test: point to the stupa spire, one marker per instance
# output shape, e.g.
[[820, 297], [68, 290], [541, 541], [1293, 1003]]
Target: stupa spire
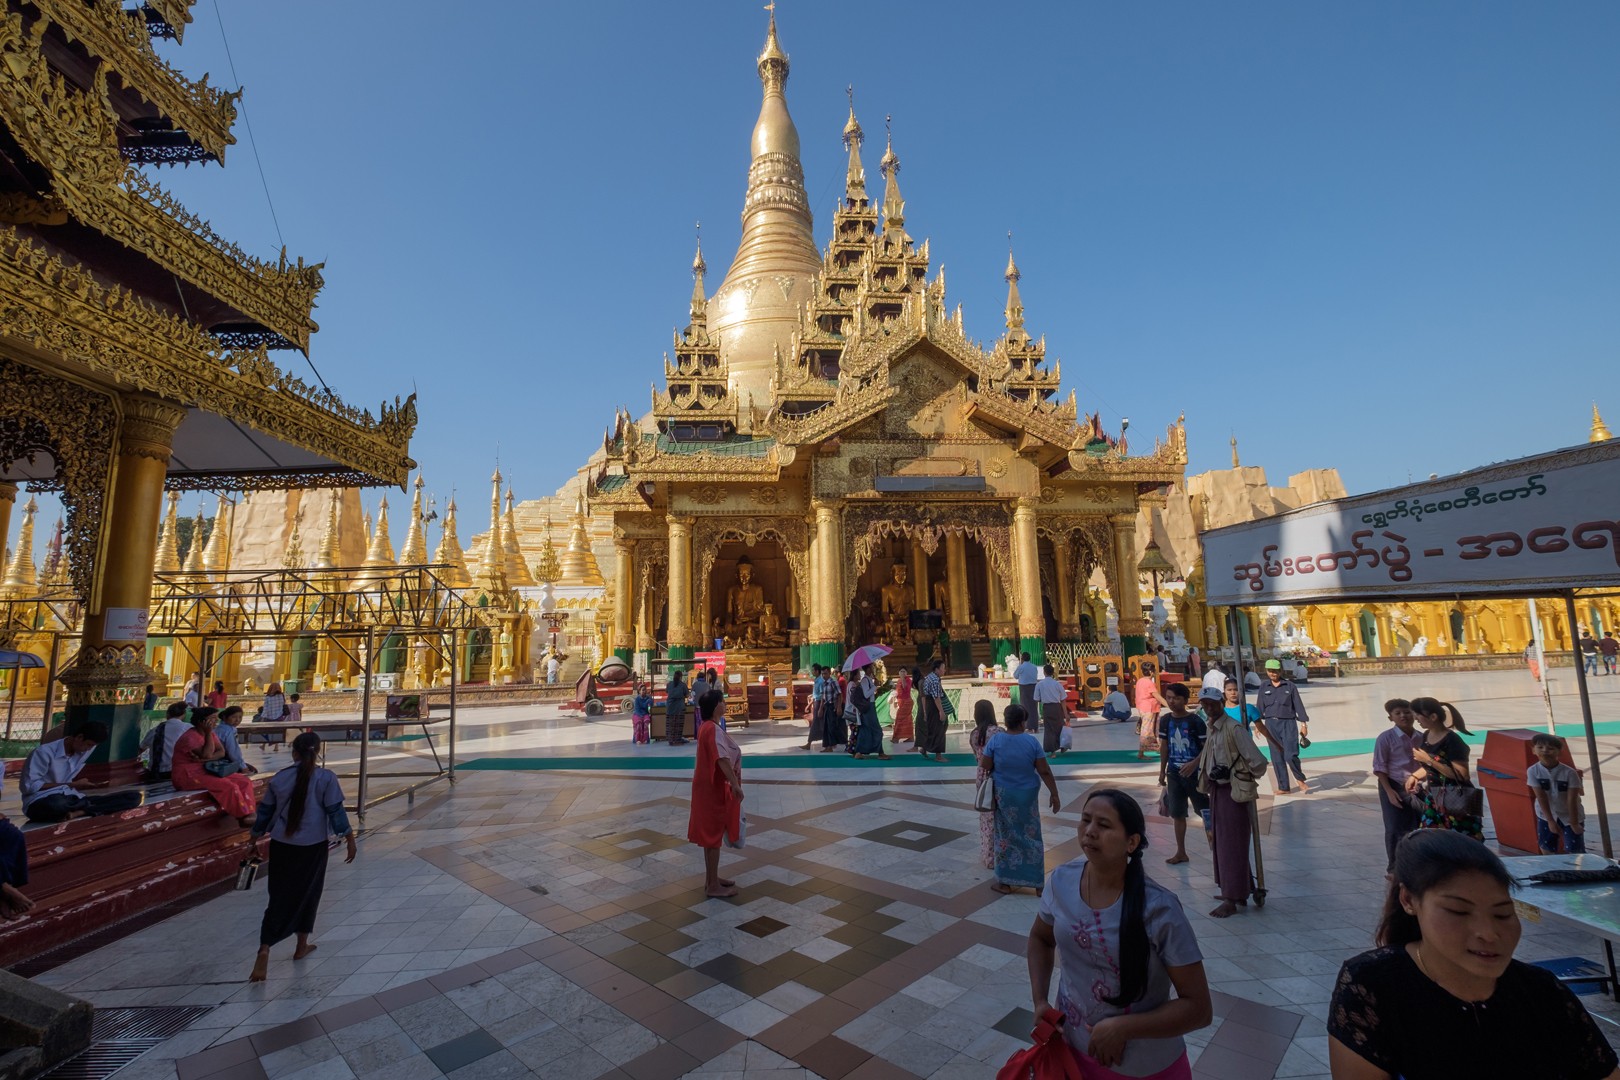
[[381, 550], [449, 553], [54, 571], [492, 572], [21, 573], [1600, 430], [327, 557], [579, 561], [168, 552], [1015, 303], [757, 306], [194, 552], [414, 553], [217, 555], [517, 571], [894, 207], [699, 305], [855, 178]]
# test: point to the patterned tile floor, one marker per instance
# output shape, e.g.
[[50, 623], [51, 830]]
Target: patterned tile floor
[[551, 924]]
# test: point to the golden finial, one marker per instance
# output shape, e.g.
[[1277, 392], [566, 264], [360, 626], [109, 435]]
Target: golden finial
[[852, 127], [1235, 464], [890, 161], [1600, 430], [1012, 274], [699, 267], [773, 62], [1015, 303]]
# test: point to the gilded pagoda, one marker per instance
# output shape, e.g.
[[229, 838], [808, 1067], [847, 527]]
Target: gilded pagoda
[[833, 461], [135, 343]]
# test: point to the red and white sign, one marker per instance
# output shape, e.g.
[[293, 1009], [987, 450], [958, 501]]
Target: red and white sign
[[125, 624], [1529, 527]]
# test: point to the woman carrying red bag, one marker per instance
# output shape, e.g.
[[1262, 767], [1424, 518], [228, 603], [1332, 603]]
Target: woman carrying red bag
[[1133, 978]]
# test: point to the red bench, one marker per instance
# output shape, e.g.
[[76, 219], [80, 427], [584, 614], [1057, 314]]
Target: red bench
[[89, 873]]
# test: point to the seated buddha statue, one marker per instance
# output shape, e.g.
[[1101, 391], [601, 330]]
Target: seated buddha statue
[[745, 602], [771, 635], [898, 599]]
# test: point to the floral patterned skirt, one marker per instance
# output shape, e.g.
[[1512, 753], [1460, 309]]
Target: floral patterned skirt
[[987, 833], [1433, 816], [1020, 850]]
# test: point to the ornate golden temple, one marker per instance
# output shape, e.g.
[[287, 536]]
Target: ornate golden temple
[[833, 461], [135, 343]]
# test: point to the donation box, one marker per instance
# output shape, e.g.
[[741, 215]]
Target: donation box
[[1501, 772]]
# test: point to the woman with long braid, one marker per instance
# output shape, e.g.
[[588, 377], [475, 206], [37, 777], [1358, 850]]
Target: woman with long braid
[[1132, 978], [302, 805]]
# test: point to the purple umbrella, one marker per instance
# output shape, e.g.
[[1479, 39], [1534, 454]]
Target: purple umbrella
[[866, 654]]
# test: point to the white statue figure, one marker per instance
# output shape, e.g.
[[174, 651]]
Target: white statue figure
[[1421, 648]]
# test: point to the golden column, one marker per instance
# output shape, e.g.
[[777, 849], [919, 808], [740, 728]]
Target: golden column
[[1067, 605], [106, 679], [1000, 626], [921, 592], [961, 624], [1027, 552], [1128, 598], [826, 628], [8, 499], [682, 635], [624, 576]]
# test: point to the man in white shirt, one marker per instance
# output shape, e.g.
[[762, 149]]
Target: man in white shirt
[[1026, 675], [161, 739], [47, 779], [193, 696], [1214, 679], [1051, 696], [1116, 707], [552, 667]]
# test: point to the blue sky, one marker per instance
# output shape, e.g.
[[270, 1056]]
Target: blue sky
[[1376, 236]]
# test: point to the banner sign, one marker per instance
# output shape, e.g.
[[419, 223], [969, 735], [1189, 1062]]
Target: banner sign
[[1527, 527]]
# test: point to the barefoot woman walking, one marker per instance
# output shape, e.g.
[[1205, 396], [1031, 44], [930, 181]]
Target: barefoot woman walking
[[302, 804]]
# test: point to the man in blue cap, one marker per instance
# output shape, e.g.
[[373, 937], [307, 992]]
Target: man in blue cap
[[1283, 716]]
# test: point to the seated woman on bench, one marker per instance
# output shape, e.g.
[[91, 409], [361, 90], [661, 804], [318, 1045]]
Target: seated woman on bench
[[195, 768]]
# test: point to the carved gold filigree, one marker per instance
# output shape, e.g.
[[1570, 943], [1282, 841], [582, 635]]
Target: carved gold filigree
[[40, 413], [17, 208], [791, 534], [867, 525], [65, 311], [708, 494], [120, 37], [71, 134]]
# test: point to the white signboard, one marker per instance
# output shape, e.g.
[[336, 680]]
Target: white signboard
[[1525, 527], [125, 624]]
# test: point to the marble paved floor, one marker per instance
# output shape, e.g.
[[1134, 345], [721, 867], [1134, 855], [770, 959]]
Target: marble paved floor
[[551, 924]]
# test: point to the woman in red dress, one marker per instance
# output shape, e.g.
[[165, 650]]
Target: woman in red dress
[[234, 793], [902, 707], [716, 794]]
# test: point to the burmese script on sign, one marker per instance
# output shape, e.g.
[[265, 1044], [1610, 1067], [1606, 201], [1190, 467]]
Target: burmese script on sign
[[1554, 527]]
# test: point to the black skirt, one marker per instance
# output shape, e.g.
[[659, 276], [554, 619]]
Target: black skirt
[[297, 875]]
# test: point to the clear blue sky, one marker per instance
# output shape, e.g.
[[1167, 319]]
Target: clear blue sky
[[1377, 236]]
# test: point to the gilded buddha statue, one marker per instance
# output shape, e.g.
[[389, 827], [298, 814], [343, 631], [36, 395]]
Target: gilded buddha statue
[[745, 603], [898, 599]]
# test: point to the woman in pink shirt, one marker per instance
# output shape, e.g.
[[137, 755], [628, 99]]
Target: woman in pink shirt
[[1148, 703]]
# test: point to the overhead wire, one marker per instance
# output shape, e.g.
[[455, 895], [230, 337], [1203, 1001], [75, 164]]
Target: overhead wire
[[258, 161]]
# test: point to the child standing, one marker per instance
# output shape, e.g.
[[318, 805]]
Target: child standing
[[641, 713], [1558, 791], [1392, 764]]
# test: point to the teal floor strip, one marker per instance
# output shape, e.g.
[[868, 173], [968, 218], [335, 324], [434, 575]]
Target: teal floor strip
[[1333, 748]]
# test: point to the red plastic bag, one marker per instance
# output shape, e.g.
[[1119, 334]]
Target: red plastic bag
[[1049, 1059]]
